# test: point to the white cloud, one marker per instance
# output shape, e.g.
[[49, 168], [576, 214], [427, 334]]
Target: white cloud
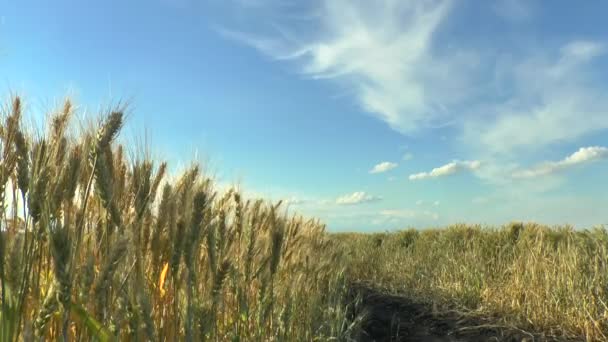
[[549, 94], [386, 53], [383, 167], [407, 156], [583, 155], [502, 102], [447, 169], [295, 201], [421, 202], [383, 52], [581, 51], [357, 198]]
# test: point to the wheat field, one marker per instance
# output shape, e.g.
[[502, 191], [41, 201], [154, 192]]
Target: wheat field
[[98, 243], [98, 246], [552, 280]]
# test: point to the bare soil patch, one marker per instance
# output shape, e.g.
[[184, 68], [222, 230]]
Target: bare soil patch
[[398, 319]]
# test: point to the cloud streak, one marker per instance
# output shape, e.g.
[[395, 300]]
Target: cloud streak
[[552, 96], [395, 215], [383, 52], [447, 170], [383, 167], [358, 197], [582, 156]]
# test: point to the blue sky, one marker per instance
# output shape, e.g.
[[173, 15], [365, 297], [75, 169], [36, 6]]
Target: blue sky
[[369, 115]]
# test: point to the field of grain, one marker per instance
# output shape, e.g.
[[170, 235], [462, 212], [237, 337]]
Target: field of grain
[[107, 248], [100, 243], [525, 276]]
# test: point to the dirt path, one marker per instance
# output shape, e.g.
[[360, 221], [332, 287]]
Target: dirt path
[[393, 318]]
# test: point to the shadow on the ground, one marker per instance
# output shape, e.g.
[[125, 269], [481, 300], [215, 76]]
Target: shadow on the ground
[[394, 318]]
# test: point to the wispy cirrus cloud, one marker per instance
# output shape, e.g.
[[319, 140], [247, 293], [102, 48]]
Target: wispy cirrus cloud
[[383, 167], [582, 156], [500, 103], [383, 52], [447, 169], [388, 54], [296, 201], [553, 96], [357, 198]]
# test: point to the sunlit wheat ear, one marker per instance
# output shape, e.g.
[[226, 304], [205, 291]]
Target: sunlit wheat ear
[[238, 214], [104, 181], [11, 129], [120, 177], [160, 174], [11, 126], [59, 122], [17, 108], [156, 242], [251, 239], [186, 182], [59, 150], [221, 232], [178, 245], [71, 174], [190, 251], [278, 235], [37, 196], [170, 223], [49, 306], [218, 283], [100, 158], [196, 222], [22, 148], [211, 245], [165, 204], [146, 232], [108, 130], [142, 172]]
